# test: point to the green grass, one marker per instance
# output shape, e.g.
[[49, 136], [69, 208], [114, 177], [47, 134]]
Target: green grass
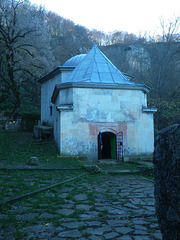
[[21, 182], [17, 148]]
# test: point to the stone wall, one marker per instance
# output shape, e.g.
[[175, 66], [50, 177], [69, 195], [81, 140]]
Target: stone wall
[[167, 181]]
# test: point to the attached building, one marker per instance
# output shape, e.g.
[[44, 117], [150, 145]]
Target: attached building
[[96, 110]]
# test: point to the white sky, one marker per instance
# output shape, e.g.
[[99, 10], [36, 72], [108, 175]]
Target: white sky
[[133, 16]]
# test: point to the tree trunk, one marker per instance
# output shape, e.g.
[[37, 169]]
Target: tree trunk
[[16, 108], [14, 88]]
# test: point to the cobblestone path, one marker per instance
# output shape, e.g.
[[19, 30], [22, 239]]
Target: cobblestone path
[[108, 207]]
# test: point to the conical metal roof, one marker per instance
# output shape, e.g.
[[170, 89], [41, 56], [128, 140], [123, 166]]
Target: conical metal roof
[[95, 67]]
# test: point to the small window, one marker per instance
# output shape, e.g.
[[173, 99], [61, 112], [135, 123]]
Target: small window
[[50, 110]]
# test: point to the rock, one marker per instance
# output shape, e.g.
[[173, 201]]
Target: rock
[[33, 161], [66, 212], [80, 197], [123, 230], [83, 207], [167, 179], [92, 168], [70, 234], [111, 235], [47, 215]]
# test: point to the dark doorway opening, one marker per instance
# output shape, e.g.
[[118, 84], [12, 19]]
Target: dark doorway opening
[[107, 145]]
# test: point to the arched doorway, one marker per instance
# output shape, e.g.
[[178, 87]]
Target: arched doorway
[[107, 145]]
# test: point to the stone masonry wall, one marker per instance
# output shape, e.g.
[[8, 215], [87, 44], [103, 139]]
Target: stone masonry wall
[[167, 181], [99, 110]]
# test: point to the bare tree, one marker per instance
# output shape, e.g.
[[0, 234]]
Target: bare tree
[[169, 29], [165, 64], [25, 47], [98, 37], [67, 39]]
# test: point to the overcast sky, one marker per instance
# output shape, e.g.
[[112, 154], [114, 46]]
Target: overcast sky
[[133, 16]]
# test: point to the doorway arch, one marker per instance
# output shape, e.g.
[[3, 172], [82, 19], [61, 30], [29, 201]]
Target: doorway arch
[[107, 148]]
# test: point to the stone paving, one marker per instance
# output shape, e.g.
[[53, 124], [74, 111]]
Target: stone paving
[[108, 207]]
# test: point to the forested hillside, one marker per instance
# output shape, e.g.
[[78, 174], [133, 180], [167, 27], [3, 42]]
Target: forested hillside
[[157, 65], [33, 41]]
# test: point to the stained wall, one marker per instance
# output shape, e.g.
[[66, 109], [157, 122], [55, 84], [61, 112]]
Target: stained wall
[[98, 110]]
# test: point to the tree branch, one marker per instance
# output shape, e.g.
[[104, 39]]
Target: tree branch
[[4, 79]]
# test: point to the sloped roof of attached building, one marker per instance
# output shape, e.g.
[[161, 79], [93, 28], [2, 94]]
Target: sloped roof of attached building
[[95, 67]]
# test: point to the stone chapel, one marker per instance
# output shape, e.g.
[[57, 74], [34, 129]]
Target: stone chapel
[[96, 110]]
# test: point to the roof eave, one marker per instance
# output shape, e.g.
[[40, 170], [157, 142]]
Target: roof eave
[[61, 86], [54, 73], [149, 110], [128, 75]]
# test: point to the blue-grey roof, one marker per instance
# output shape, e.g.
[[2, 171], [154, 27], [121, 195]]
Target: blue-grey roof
[[74, 61], [95, 67]]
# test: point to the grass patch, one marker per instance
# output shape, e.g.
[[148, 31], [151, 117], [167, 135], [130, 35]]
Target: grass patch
[[20, 235], [82, 227], [17, 148], [21, 182], [86, 234], [147, 171], [103, 214]]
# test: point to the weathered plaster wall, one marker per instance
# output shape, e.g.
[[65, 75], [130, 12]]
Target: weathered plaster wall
[[96, 110], [65, 96], [47, 89], [65, 73], [56, 129]]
